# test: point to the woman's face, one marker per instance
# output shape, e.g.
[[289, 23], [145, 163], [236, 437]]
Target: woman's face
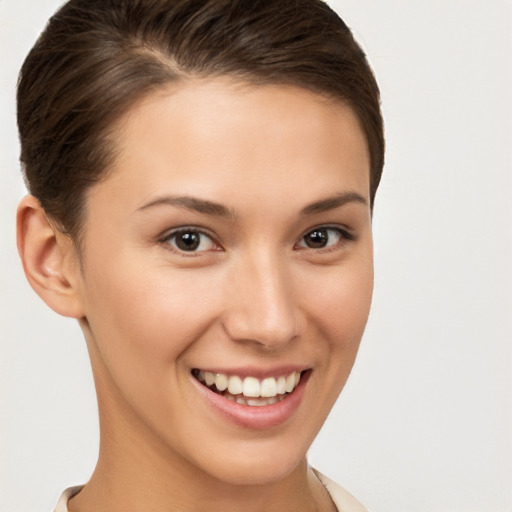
[[231, 242]]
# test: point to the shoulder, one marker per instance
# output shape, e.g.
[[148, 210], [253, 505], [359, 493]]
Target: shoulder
[[62, 505], [343, 500]]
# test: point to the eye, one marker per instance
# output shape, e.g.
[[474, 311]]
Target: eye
[[190, 240], [323, 237]]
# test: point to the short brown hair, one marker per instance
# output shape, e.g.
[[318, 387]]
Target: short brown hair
[[95, 58]]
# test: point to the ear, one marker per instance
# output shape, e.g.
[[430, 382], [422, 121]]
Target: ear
[[49, 259]]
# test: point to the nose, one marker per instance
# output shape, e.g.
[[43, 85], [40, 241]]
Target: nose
[[262, 305]]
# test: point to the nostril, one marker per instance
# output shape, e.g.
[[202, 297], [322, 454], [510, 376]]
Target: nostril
[[265, 332]]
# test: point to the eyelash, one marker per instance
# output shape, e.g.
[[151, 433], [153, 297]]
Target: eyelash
[[344, 236], [172, 235]]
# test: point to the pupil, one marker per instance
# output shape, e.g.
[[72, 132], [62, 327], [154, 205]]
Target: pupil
[[317, 238], [188, 241]]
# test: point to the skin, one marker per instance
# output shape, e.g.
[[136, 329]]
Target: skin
[[253, 296]]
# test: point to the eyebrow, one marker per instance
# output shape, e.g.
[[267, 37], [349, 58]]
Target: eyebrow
[[333, 202], [191, 203], [216, 209]]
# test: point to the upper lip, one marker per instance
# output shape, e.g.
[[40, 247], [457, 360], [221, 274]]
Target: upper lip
[[258, 372]]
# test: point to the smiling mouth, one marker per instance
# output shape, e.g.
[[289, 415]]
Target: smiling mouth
[[249, 391]]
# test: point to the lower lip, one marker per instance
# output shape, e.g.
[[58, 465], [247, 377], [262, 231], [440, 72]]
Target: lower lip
[[262, 417]]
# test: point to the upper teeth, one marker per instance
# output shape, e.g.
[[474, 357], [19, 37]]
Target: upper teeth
[[251, 386]]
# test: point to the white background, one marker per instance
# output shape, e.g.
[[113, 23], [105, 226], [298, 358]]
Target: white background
[[425, 421]]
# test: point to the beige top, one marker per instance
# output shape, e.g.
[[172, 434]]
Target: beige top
[[343, 500]]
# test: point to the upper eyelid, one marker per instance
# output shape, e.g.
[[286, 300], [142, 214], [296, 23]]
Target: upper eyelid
[[168, 233], [338, 227]]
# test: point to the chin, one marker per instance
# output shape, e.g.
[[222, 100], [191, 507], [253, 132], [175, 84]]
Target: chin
[[254, 463], [265, 473]]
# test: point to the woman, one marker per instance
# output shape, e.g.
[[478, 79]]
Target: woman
[[201, 177]]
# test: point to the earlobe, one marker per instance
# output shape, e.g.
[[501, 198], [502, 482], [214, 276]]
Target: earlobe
[[48, 259]]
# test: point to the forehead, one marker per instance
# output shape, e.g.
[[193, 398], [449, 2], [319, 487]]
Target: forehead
[[220, 137]]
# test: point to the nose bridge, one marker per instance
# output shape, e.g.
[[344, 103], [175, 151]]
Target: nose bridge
[[262, 306]]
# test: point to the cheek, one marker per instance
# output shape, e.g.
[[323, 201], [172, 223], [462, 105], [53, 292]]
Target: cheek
[[338, 303], [342, 304], [149, 313], [141, 323]]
